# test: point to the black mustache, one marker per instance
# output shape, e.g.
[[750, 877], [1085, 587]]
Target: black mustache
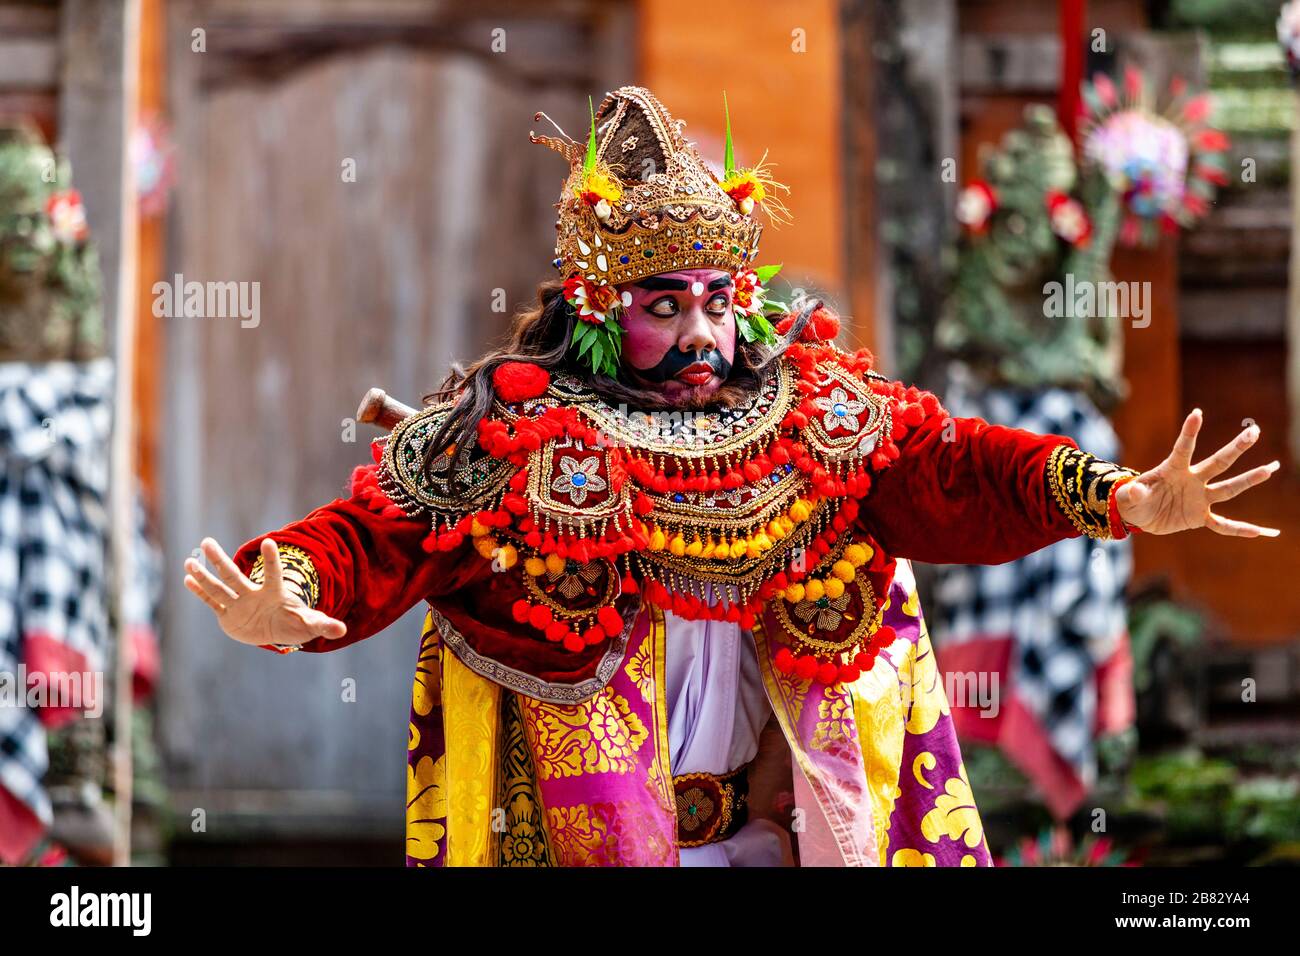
[[675, 360]]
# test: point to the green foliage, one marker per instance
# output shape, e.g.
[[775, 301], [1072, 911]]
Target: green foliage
[[49, 287], [604, 342], [1238, 18], [997, 319], [1151, 621]]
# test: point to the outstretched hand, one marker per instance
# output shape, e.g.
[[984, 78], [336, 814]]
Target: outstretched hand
[[269, 613], [1177, 495]]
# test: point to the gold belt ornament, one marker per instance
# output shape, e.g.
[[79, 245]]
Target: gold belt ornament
[[711, 808]]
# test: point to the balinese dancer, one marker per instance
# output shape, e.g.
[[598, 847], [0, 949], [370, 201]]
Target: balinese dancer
[[658, 524]]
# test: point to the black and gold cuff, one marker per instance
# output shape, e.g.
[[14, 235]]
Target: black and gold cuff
[[299, 573], [1082, 485]]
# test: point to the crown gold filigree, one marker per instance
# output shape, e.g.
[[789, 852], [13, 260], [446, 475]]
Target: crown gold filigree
[[640, 200], [662, 208]]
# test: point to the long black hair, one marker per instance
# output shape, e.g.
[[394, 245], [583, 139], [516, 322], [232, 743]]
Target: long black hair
[[541, 333]]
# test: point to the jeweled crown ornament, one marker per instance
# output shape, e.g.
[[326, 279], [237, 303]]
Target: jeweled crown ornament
[[640, 200]]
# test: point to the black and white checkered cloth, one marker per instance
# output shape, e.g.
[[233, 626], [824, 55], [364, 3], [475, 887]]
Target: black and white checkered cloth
[[54, 448], [1062, 606]]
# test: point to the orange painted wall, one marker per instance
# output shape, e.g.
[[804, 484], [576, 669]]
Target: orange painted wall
[[782, 101]]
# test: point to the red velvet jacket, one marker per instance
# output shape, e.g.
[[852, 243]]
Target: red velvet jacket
[[899, 478]]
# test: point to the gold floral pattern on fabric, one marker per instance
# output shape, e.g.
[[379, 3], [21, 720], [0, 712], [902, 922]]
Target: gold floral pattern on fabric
[[426, 807], [878, 714], [839, 799], [794, 691], [921, 764], [426, 693], [923, 688], [581, 836], [1081, 485], [471, 715], [640, 670], [604, 834], [834, 729], [955, 815], [523, 840], [599, 735]]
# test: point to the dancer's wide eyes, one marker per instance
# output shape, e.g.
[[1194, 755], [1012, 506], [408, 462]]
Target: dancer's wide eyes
[[668, 306], [718, 304], [665, 308]]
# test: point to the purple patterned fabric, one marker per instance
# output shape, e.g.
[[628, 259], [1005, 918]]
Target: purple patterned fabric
[[878, 773]]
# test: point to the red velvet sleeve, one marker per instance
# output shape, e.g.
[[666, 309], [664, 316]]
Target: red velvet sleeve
[[963, 491], [372, 569]]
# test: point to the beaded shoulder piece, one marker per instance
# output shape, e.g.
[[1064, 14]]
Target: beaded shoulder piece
[[709, 514]]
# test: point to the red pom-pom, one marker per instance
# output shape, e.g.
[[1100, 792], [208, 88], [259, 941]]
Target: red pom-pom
[[557, 631], [827, 673], [573, 643], [610, 620], [849, 673], [539, 617], [784, 660], [823, 326], [805, 668], [594, 634], [883, 637], [516, 381], [520, 610]]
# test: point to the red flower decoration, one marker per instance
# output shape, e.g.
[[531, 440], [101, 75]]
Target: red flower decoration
[[1068, 219], [975, 206], [518, 381], [67, 216]]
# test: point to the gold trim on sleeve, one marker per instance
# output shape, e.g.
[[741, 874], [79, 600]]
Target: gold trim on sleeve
[[299, 573], [1081, 485]]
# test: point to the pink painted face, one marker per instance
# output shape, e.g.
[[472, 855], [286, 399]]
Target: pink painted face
[[680, 332]]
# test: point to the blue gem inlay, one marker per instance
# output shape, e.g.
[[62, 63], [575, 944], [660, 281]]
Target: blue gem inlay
[[578, 479]]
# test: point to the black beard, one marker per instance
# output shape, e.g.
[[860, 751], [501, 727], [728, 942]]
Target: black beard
[[675, 360]]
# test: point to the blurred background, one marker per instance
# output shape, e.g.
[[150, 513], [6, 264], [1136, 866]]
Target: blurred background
[[364, 166]]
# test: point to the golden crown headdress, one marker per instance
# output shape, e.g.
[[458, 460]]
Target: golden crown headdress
[[640, 200]]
